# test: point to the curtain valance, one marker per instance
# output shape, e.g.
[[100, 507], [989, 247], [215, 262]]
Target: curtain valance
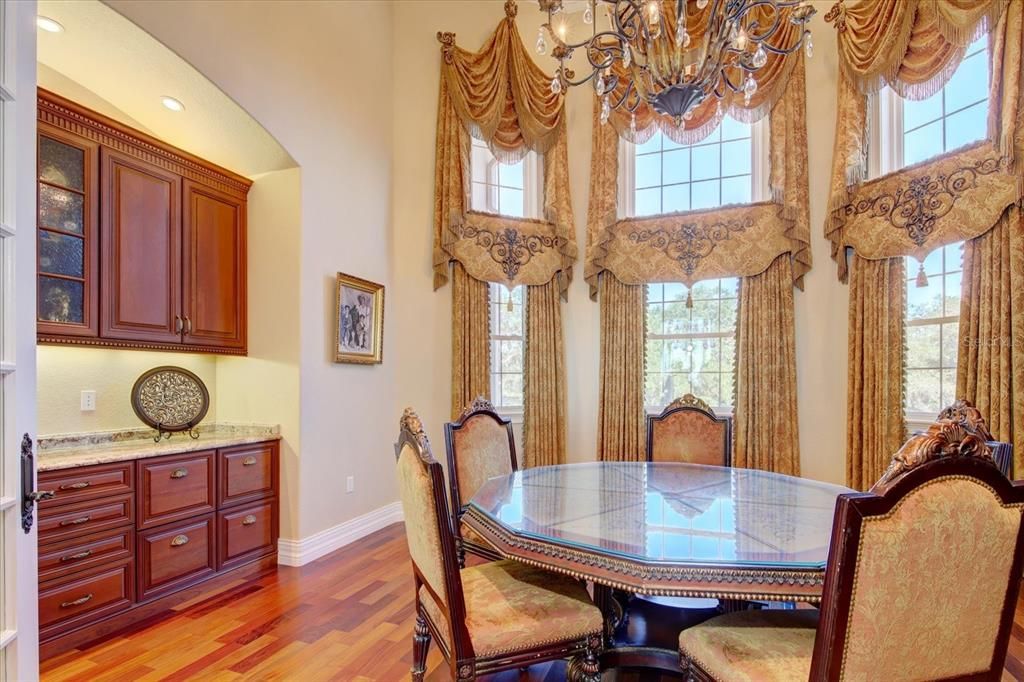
[[501, 97], [914, 46], [771, 79], [958, 195], [687, 247]]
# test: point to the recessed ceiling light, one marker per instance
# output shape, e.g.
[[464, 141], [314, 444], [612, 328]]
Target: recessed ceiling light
[[49, 25], [172, 104]]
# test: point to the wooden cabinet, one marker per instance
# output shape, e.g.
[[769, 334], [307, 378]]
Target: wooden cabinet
[[141, 245], [123, 541]]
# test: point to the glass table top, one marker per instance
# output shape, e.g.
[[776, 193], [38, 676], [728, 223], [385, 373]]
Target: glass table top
[[673, 513]]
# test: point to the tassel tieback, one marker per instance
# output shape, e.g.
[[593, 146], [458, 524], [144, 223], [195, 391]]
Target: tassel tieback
[[922, 278]]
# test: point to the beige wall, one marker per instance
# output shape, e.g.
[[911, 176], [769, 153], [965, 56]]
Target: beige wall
[[63, 373], [424, 316], [316, 76]]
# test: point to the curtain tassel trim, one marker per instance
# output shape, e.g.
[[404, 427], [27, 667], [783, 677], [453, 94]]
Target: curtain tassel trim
[[689, 300]]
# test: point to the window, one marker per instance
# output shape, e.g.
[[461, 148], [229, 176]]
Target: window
[[692, 349], [512, 190], [909, 132]]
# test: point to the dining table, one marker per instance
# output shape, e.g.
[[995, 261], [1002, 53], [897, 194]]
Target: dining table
[[741, 536]]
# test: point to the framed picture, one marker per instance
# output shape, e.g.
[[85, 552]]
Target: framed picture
[[359, 321]]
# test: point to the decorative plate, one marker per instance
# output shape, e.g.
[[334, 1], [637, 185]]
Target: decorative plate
[[170, 399]]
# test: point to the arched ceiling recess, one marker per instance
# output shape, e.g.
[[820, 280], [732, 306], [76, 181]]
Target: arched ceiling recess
[[108, 63]]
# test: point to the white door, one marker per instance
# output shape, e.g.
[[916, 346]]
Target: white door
[[19, 629]]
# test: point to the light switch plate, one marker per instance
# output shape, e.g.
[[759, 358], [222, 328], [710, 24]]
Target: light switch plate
[[88, 401], [350, 484]]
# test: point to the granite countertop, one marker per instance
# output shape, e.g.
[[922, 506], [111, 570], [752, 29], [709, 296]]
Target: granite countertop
[[101, 447]]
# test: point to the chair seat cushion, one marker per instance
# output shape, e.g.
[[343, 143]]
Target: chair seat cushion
[[749, 646], [512, 607]]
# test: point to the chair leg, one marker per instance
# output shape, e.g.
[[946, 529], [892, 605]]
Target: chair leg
[[420, 647], [586, 667]]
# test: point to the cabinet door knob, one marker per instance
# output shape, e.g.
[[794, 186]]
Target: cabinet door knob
[[76, 602], [75, 522], [75, 486], [248, 461], [76, 557], [179, 540], [179, 473], [249, 520]]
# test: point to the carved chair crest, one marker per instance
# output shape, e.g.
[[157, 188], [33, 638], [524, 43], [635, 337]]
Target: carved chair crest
[[411, 430], [479, 404], [942, 439], [967, 415], [690, 400]]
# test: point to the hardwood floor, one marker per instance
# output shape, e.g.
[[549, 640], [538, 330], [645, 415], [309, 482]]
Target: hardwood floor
[[347, 616]]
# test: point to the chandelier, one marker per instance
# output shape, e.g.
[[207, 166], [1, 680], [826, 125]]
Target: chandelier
[[647, 55]]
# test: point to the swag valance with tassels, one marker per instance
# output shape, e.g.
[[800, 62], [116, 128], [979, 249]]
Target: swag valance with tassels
[[740, 240], [914, 46], [499, 95]]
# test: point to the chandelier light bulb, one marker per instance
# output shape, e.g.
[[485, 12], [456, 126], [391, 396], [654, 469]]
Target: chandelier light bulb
[[562, 28], [760, 57], [808, 45], [588, 14], [740, 43], [701, 4], [688, 116], [542, 45]]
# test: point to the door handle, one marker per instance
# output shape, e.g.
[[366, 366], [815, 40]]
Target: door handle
[[29, 496], [179, 325], [179, 473], [76, 602], [248, 461], [188, 325], [76, 557], [76, 522], [179, 540], [249, 520], [75, 486]]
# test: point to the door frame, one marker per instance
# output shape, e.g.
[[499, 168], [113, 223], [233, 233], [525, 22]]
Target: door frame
[[19, 617]]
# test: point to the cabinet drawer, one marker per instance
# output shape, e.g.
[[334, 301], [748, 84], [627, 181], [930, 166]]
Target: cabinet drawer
[[247, 533], [82, 598], [78, 554], [175, 488], [86, 483], [85, 518], [176, 556], [247, 473]]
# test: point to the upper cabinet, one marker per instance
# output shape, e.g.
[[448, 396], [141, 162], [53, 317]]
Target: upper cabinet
[[141, 245]]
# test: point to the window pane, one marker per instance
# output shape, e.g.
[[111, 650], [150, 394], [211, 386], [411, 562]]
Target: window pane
[[60, 254], [950, 343], [948, 387], [652, 145], [736, 190], [705, 161], [648, 171], [647, 202], [964, 127], [924, 393], [61, 300], [969, 84], [916, 114], [924, 302], [736, 157], [479, 160], [677, 166], [654, 318], [733, 129], [61, 164], [512, 322], [675, 292], [923, 143], [512, 390], [952, 300], [61, 209], [510, 202], [511, 175], [705, 194], [923, 347], [677, 198], [654, 292]]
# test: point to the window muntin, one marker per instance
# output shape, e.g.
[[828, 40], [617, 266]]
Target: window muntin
[[691, 350], [512, 190]]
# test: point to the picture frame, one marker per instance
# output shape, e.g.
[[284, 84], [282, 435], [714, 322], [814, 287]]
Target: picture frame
[[358, 321]]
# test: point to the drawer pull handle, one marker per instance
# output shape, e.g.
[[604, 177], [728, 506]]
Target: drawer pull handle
[[248, 461], [76, 602], [179, 473], [76, 557], [75, 486], [249, 520], [75, 522], [179, 540]]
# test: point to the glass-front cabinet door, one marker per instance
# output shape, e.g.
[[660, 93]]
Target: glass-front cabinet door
[[67, 234]]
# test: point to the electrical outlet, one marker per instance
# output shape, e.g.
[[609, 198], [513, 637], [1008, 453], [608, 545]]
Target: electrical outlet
[[350, 484], [88, 401]]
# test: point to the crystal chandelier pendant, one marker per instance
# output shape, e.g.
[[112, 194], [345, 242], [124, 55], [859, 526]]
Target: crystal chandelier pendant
[[682, 36], [542, 45], [808, 45], [599, 85], [627, 55], [760, 57], [556, 85], [606, 110], [749, 88], [588, 14], [632, 125]]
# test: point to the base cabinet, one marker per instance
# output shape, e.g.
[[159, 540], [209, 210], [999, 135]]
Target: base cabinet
[[124, 538]]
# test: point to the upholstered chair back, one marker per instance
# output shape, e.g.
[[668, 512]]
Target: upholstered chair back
[[480, 446], [688, 431], [427, 522], [928, 562]]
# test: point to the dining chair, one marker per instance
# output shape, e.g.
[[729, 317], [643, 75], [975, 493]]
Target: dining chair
[[480, 445], [496, 616], [966, 414], [688, 431], [921, 583]]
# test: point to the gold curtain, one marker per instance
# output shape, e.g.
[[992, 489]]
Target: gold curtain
[[765, 433], [544, 415], [620, 425], [875, 426], [914, 46], [471, 347], [990, 365]]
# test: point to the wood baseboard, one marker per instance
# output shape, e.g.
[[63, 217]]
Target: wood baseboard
[[141, 615]]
